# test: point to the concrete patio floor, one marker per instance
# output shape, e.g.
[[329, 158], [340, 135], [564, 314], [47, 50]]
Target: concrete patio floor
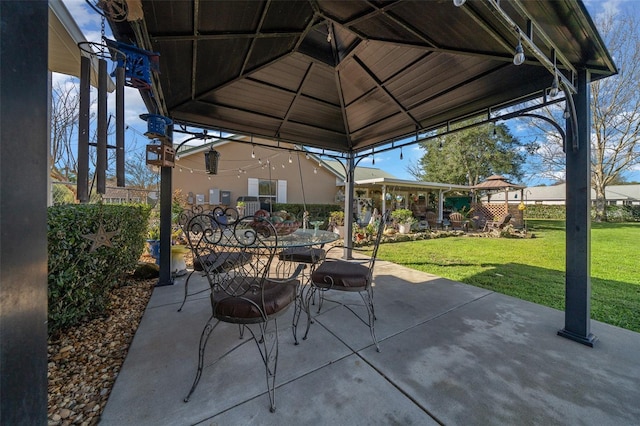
[[451, 354]]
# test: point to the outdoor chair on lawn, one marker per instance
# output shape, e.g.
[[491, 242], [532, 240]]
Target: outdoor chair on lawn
[[215, 259], [457, 221], [497, 224], [243, 292], [349, 276], [432, 220]]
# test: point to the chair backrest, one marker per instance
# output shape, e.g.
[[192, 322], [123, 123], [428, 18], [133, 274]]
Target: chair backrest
[[239, 251], [504, 221], [456, 219], [432, 219]]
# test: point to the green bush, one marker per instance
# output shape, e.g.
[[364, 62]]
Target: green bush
[[545, 211], [79, 280], [316, 211], [621, 213]]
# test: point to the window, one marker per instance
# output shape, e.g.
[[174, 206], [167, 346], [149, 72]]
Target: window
[[268, 191]]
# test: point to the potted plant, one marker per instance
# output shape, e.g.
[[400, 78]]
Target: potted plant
[[336, 222], [153, 241], [240, 206], [404, 218]]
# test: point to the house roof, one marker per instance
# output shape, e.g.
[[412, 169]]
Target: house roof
[[402, 184], [630, 192], [360, 173], [64, 36], [349, 76]]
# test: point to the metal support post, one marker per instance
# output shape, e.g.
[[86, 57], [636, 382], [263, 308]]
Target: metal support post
[[578, 223]]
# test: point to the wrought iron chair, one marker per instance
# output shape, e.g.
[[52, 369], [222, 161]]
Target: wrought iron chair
[[310, 258], [349, 276], [215, 258], [242, 292]]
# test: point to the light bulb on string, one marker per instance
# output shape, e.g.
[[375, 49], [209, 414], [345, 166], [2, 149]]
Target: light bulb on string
[[290, 159], [315, 170], [401, 156], [253, 153]]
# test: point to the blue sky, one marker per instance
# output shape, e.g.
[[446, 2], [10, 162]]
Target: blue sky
[[89, 23]]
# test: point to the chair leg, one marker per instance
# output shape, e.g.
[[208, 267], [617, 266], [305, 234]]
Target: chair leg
[[269, 352], [204, 338], [367, 298], [186, 291], [307, 299]]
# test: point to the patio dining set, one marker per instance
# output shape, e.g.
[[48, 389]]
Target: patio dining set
[[258, 267]]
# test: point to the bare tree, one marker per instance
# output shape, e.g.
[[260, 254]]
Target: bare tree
[[615, 109], [64, 123], [615, 115], [138, 174]]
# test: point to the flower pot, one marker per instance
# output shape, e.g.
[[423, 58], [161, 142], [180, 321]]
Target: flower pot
[[154, 249], [404, 228], [178, 265]]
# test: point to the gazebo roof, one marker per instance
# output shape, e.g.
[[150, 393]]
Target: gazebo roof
[[349, 76], [496, 182]]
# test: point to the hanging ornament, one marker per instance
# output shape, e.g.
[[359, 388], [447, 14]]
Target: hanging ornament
[[101, 238]]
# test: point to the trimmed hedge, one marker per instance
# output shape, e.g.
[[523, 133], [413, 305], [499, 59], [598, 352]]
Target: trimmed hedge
[[558, 212], [79, 281]]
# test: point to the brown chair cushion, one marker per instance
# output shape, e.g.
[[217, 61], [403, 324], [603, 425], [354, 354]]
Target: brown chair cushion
[[222, 261], [247, 307], [346, 276], [302, 254]]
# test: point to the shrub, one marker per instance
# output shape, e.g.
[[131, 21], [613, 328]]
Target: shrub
[[402, 216], [79, 281]]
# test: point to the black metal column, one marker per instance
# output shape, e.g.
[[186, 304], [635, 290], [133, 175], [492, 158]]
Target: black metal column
[[166, 197], [578, 226], [348, 205], [23, 211], [101, 145]]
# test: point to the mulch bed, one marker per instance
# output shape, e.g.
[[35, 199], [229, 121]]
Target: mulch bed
[[84, 361]]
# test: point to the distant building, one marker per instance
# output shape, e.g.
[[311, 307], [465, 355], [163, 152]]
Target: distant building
[[622, 195]]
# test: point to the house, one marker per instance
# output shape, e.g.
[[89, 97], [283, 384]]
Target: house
[[274, 175], [628, 195]]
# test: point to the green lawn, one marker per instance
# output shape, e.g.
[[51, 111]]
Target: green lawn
[[533, 269]]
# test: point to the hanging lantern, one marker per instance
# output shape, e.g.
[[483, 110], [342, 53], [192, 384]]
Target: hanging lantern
[[156, 125], [211, 161], [161, 155]]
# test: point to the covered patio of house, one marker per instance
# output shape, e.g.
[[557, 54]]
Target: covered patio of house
[[450, 354], [351, 78]]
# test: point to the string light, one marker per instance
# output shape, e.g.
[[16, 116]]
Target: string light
[[290, 160], [315, 170], [401, 156], [259, 160], [518, 57], [253, 153], [306, 155]]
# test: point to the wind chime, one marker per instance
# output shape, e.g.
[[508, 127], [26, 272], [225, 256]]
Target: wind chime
[[133, 67]]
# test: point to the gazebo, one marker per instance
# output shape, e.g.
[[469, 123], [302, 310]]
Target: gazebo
[[351, 78], [491, 210]]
